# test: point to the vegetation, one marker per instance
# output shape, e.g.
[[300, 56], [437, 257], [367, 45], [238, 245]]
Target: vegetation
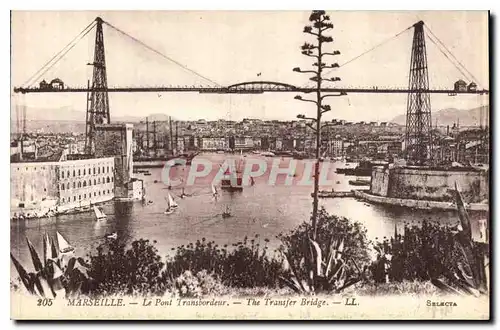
[[337, 260], [320, 24], [446, 256], [330, 263], [55, 275]]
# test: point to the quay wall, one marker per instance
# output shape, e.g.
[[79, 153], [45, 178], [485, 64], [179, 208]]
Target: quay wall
[[429, 184]]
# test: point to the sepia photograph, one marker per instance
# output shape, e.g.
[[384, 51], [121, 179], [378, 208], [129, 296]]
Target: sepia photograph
[[260, 165]]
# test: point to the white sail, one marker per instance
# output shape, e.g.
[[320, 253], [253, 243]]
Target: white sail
[[214, 190], [64, 246], [171, 202], [98, 213]]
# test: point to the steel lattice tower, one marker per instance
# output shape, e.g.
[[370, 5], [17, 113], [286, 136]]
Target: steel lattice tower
[[98, 102], [418, 137]]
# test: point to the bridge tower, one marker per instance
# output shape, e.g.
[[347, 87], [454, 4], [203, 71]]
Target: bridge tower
[[98, 102], [418, 138]]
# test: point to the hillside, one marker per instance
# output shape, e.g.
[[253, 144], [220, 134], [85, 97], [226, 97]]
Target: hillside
[[450, 116]]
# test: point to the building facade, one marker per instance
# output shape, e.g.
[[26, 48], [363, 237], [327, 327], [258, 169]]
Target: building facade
[[62, 185]]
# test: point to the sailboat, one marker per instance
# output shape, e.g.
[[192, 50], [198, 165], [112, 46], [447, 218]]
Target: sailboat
[[64, 246], [99, 214], [171, 202], [226, 213], [170, 208], [214, 192]]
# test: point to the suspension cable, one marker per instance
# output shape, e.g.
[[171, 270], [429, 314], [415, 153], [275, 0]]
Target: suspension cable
[[464, 75], [373, 48], [159, 53], [444, 46], [47, 66]]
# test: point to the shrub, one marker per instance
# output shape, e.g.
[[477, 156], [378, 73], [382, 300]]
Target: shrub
[[202, 284], [136, 271], [246, 265], [332, 261]]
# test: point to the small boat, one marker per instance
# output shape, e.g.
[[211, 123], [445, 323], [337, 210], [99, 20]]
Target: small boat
[[64, 246], [170, 208], [226, 213], [359, 182], [99, 214], [171, 203], [214, 191], [112, 236]]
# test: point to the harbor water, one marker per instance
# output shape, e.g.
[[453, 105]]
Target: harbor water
[[263, 209]]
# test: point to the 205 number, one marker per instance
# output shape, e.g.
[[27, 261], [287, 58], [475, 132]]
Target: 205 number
[[44, 302]]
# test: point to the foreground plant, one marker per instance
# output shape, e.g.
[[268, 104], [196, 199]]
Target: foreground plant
[[59, 275], [468, 272], [328, 263]]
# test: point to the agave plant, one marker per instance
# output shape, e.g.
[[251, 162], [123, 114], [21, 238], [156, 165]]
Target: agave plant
[[326, 270], [59, 275], [468, 276]]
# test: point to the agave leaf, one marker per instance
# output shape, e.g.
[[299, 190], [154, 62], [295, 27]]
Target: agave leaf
[[34, 257], [46, 287], [57, 271], [340, 248], [466, 268], [293, 271], [38, 285], [294, 286], [317, 257], [348, 284], [462, 214], [23, 275], [329, 264]]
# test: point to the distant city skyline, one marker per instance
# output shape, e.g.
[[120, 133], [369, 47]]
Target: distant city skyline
[[221, 46]]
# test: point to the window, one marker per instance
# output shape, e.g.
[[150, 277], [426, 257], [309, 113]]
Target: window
[[62, 174], [99, 180], [74, 185], [95, 182], [107, 169], [83, 171], [90, 182], [74, 198], [84, 195], [94, 170], [68, 174], [63, 200], [104, 192], [108, 191], [103, 169], [79, 173], [62, 186], [98, 170], [79, 184], [99, 193], [111, 179], [84, 183], [107, 179], [74, 173], [95, 194], [67, 186]]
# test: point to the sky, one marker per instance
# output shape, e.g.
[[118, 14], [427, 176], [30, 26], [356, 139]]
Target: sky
[[232, 47]]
